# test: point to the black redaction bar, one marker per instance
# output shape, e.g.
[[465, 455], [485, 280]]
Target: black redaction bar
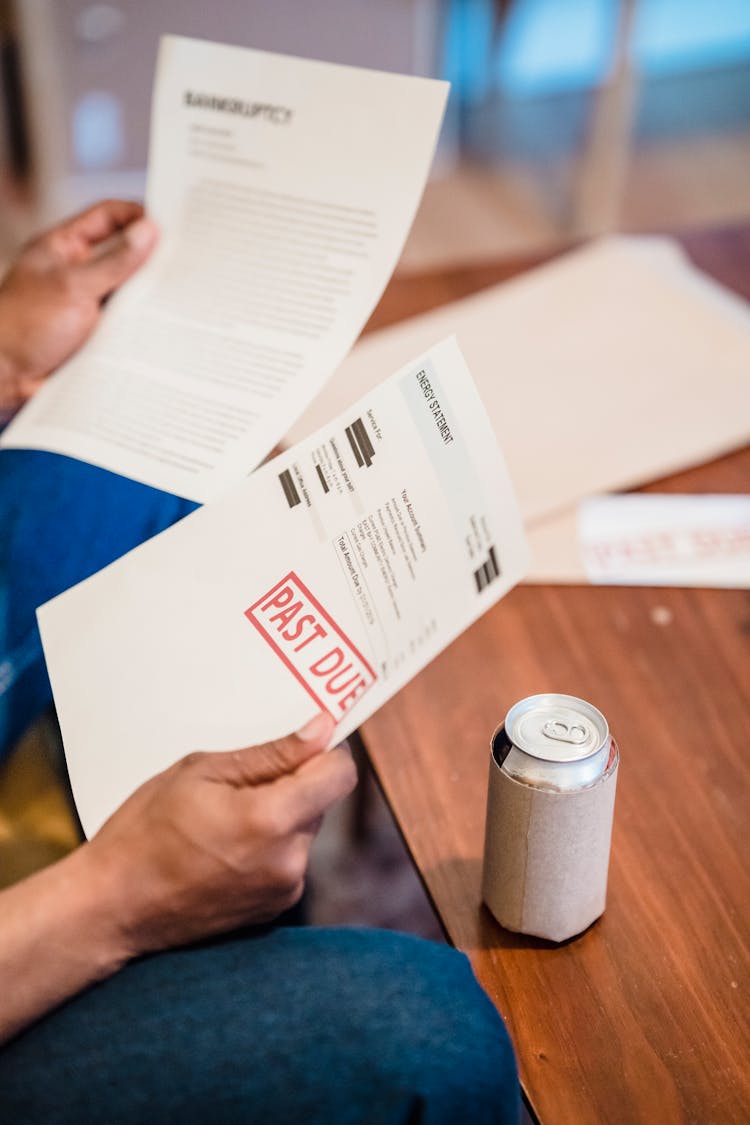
[[359, 440], [322, 479], [286, 481]]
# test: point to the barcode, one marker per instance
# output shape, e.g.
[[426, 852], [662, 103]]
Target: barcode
[[290, 489], [359, 440], [487, 572]]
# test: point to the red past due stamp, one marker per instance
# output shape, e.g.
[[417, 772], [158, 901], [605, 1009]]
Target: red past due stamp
[[315, 650]]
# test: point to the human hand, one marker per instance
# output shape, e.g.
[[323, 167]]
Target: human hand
[[217, 841], [51, 298]]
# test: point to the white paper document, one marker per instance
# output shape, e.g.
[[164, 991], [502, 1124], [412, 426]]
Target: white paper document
[[284, 190], [666, 540], [615, 364], [326, 580]]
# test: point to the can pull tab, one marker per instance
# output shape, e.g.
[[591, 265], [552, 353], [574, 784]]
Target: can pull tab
[[575, 733]]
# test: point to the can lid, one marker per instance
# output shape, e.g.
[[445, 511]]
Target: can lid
[[556, 728]]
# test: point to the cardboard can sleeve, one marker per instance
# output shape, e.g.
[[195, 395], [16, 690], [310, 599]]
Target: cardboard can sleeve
[[546, 854]]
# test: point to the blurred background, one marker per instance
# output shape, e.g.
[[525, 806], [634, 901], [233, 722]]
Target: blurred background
[[567, 119]]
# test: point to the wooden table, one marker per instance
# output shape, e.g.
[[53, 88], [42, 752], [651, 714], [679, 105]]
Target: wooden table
[[645, 1017]]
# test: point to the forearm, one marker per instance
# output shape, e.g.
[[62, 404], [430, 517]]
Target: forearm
[[217, 841], [58, 934]]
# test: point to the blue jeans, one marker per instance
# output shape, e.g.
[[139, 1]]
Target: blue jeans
[[60, 521], [284, 1025]]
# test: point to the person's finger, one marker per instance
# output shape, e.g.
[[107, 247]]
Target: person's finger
[[258, 765], [100, 221], [105, 272], [313, 828], [308, 793]]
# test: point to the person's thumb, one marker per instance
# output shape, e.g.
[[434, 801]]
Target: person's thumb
[[257, 765], [121, 257]]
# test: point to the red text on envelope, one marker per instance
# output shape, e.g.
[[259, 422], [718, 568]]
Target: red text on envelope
[[312, 646]]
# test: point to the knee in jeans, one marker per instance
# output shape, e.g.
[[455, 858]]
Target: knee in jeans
[[439, 1037]]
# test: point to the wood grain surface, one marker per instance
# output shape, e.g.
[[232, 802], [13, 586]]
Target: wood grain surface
[[645, 1017]]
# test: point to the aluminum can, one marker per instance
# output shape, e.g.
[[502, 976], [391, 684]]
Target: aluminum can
[[554, 742], [550, 807]]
